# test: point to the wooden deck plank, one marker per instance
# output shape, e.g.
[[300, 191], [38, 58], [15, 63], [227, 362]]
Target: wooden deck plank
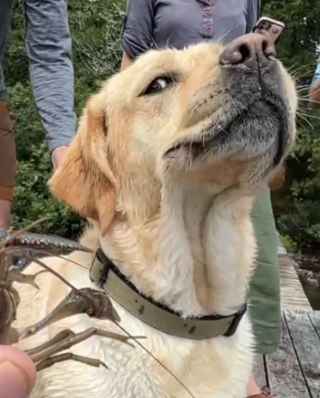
[[291, 372], [306, 343], [315, 320], [293, 296], [284, 372]]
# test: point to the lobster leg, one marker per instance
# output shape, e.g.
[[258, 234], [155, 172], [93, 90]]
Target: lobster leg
[[25, 278], [44, 355], [94, 303], [48, 362], [56, 339], [88, 301]]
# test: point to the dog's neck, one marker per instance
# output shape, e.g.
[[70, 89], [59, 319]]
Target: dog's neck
[[193, 255]]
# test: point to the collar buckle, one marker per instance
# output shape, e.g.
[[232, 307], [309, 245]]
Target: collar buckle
[[100, 268], [236, 321]]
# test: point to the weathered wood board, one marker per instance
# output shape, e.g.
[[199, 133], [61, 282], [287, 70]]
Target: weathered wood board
[[306, 343], [293, 296], [292, 372]]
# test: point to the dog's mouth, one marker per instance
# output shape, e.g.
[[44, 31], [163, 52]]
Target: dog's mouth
[[251, 133]]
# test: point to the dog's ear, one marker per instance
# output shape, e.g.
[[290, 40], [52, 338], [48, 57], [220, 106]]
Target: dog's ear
[[84, 181]]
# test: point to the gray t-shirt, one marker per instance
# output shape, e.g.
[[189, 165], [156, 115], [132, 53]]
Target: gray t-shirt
[[179, 23]]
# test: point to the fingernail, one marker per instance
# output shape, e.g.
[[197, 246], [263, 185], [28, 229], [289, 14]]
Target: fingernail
[[13, 382]]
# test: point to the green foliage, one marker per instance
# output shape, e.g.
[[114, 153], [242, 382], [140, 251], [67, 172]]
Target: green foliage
[[288, 243], [298, 44], [297, 207], [33, 198], [96, 28], [298, 212]]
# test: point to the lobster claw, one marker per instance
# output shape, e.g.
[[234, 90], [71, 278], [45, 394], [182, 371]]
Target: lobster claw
[[23, 248], [94, 303]]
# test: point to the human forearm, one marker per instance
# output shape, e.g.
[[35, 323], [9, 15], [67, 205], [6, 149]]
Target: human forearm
[[51, 70], [126, 61], [315, 95]]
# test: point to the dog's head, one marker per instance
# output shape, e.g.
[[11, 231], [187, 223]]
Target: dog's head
[[222, 117]]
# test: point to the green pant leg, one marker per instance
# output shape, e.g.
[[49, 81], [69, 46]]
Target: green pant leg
[[264, 292]]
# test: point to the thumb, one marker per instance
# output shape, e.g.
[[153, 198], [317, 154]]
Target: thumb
[[17, 373]]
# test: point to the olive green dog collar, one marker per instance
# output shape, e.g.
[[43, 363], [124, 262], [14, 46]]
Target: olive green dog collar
[[105, 274]]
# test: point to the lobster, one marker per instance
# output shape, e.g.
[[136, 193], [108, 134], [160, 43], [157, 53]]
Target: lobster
[[94, 303]]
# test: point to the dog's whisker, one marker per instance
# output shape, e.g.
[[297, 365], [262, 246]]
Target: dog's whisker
[[156, 359], [308, 115], [299, 68], [308, 100], [306, 120], [229, 31], [308, 95]]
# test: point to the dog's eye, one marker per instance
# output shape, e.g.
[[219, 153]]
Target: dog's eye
[[159, 84]]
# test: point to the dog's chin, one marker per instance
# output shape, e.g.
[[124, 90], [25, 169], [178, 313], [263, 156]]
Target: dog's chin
[[253, 134]]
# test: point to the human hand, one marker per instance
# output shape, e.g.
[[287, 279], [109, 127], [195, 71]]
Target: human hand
[[58, 156], [315, 95], [17, 373]]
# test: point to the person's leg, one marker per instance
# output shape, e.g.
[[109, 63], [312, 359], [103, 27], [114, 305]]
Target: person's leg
[[7, 144], [48, 45], [264, 292]]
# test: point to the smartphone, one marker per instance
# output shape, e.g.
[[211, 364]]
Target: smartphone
[[272, 26]]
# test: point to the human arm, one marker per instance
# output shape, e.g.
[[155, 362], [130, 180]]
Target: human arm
[[48, 43], [315, 89], [137, 32], [58, 155], [315, 95], [126, 61]]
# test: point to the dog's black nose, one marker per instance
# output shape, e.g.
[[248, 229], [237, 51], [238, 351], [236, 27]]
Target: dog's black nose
[[245, 49]]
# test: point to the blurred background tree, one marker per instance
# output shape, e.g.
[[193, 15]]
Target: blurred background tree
[[96, 29]]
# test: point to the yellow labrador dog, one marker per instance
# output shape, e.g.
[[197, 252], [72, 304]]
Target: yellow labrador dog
[[166, 163]]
